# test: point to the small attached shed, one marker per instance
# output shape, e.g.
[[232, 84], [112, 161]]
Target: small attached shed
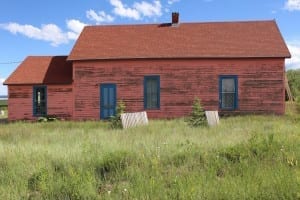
[[40, 86]]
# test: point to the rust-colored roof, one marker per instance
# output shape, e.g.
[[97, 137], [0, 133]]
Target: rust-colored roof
[[187, 40], [42, 70]]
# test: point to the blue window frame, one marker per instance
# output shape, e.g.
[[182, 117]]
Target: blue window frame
[[39, 100], [228, 92], [152, 92]]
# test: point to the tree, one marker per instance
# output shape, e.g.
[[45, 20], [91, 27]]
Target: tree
[[197, 117]]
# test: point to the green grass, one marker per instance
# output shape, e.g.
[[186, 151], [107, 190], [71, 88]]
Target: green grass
[[248, 157], [3, 107], [5, 113], [3, 102]]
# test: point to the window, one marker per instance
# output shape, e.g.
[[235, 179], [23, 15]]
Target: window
[[228, 87], [39, 100], [151, 92]]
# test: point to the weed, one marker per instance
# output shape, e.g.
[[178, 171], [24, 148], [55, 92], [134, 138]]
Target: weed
[[115, 121]]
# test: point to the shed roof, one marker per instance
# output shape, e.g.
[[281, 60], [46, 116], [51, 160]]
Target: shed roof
[[246, 39], [42, 70]]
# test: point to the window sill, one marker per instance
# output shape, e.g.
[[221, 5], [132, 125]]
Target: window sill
[[150, 109], [228, 109], [39, 115]]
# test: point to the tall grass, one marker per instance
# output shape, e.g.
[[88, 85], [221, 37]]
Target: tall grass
[[3, 108], [249, 157]]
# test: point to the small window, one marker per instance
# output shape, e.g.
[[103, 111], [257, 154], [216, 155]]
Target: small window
[[39, 100], [228, 92], [151, 92]]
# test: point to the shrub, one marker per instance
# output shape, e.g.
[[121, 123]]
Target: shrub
[[115, 121], [197, 117]]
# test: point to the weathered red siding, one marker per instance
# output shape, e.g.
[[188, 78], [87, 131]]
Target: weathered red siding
[[260, 84], [59, 101], [20, 102]]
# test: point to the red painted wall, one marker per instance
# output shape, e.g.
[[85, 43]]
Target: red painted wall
[[260, 87], [20, 102], [59, 101], [260, 84]]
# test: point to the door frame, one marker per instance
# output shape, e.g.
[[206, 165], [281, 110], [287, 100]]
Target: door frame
[[102, 86]]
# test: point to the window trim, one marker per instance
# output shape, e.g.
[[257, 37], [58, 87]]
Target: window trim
[[157, 78], [236, 103], [33, 101]]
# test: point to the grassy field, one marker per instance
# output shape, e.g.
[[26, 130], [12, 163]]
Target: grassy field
[[3, 106], [3, 103], [248, 157]]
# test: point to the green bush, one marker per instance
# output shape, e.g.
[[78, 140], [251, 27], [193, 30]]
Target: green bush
[[115, 121], [294, 82], [197, 117]]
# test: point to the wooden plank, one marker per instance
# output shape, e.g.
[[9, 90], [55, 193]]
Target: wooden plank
[[134, 119], [212, 118], [287, 89]]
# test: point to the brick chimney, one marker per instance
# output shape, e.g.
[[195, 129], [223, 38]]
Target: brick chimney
[[175, 19]]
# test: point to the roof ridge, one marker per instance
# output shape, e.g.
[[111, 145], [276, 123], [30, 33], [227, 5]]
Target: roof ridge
[[181, 23]]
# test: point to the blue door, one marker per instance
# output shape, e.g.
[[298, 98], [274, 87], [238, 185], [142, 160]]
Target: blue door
[[107, 100]]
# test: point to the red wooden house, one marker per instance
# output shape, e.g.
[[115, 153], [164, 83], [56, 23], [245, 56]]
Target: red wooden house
[[233, 67]]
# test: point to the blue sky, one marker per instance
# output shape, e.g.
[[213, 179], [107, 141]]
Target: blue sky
[[50, 27]]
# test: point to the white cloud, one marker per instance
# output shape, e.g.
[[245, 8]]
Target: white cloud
[[138, 10], [56, 36], [294, 62], [75, 27], [147, 9], [100, 17], [123, 10], [3, 88], [273, 11], [47, 32], [170, 2], [292, 5]]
